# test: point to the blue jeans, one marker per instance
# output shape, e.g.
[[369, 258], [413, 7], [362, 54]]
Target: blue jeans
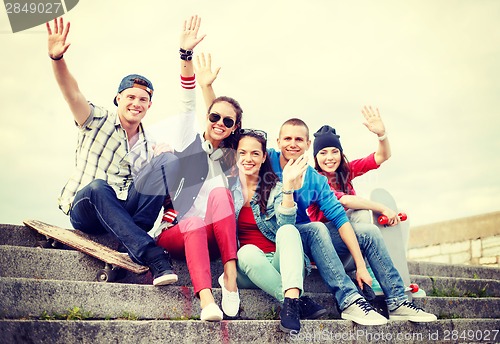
[[273, 272], [318, 245], [373, 248], [97, 210]]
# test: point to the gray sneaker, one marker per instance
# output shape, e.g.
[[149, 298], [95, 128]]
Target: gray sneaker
[[361, 312], [408, 311]]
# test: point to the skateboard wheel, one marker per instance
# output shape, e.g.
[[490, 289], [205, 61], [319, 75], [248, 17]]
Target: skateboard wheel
[[414, 287], [106, 275], [402, 216], [383, 220]]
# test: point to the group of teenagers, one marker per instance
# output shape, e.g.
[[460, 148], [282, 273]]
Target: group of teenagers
[[266, 213]]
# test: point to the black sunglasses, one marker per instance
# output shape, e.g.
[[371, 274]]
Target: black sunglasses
[[215, 117], [260, 133]]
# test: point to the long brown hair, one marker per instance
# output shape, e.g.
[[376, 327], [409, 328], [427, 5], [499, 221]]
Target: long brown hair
[[267, 178]]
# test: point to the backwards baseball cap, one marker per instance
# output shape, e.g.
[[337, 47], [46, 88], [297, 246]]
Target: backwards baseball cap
[[135, 80], [326, 137]]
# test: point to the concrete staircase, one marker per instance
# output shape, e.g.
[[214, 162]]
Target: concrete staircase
[[49, 296]]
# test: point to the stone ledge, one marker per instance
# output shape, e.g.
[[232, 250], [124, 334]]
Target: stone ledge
[[228, 332], [468, 228]]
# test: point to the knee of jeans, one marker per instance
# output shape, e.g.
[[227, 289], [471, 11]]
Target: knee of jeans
[[360, 215], [192, 225], [287, 231], [97, 185], [246, 257], [94, 188], [367, 231], [323, 232]]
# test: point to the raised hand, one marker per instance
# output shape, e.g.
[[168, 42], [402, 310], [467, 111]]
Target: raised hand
[[189, 35], [373, 121], [57, 38], [203, 68], [293, 173]]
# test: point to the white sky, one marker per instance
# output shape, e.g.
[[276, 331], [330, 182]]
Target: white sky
[[432, 68]]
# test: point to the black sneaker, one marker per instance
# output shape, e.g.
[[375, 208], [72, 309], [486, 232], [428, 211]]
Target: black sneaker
[[289, 315], [310, 309], [161, 267]]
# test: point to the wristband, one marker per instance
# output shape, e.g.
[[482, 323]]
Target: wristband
[[383, 137], [287, 192], [185, 52], [186, 57], [56, 58]]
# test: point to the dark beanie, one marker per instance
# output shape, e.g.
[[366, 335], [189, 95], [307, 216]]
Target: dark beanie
[[326, 137]]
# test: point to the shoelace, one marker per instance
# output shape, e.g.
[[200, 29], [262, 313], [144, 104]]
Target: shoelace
[[293, 309], [411, 305], [364, 305]]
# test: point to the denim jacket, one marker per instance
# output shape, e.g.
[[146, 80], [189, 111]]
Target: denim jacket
[[276, 215]]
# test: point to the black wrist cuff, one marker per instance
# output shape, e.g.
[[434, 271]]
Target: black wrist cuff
[[57, 58], [185, 52]]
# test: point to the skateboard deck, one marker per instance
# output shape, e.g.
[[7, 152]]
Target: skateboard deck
[[393, 236], [79, 241]]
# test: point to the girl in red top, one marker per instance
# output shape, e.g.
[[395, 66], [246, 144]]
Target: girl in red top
[[331, 162]]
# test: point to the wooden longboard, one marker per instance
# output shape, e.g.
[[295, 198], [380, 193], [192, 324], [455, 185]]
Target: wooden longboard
[[394, 238], [77, 240]]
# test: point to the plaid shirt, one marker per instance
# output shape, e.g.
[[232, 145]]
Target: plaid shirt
[[103, 153]]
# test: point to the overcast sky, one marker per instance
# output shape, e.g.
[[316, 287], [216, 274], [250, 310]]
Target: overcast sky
[[431, 67]]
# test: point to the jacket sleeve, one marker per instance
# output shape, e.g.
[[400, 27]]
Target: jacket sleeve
[[329, 204], [284, 216], [187, 130]]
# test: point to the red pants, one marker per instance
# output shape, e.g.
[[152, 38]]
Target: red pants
[[200, 240]]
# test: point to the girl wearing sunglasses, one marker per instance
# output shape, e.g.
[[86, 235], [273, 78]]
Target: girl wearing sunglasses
[[199, 223], [270, 256]]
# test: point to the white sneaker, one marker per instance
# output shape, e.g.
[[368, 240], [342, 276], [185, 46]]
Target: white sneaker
[[408, 311], [230, 299], [361, 312], [211, 312]]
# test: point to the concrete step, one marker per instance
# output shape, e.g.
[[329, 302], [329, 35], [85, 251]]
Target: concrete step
[[451, 270], [20, 235], [28, 297], [73, 265], [262, 331], [453, 286]]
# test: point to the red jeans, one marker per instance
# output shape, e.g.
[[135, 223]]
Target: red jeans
[[200, 240]]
